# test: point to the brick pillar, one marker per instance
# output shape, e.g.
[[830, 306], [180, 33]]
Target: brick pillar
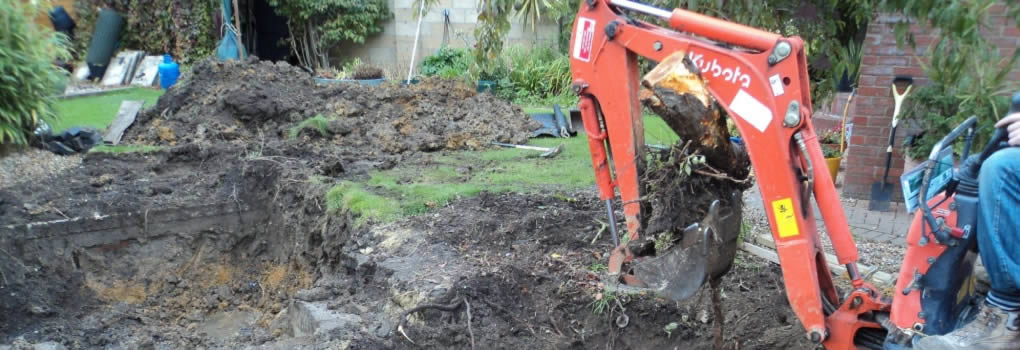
[[872, 114], [882, 61]]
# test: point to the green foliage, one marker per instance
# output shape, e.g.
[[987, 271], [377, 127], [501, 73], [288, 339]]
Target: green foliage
[[317, 123], [447, 63], [969, 77], [827, 27], [28, 79], [354, 197], [603, 301], [317, 25], [540, 75], [185, 29], [493, 24]]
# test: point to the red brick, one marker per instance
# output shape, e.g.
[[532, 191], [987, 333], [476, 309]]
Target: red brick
[[860, 121], [872, 91], [866, 80], [869, 60], [857, 139], [1004, 42], [893, 61], [877, 70], [911, 71], [867, 130], [922, 41], [1011, 30]]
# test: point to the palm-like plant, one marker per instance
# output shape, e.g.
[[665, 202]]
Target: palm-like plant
[[27, 75]]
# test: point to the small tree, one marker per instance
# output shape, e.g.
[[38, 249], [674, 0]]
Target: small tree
[[28, 77], [316, 25]]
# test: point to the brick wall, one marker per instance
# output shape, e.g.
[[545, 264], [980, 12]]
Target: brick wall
[[873, 107], [391, 49]]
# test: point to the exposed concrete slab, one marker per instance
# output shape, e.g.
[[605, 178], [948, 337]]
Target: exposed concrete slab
[[315, 319], [122, 68], [147, 71], [103, 229]]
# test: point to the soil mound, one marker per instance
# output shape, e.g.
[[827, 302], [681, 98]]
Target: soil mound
[[254, 101]]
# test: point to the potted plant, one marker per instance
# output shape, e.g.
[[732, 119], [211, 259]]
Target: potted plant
[[832, 147], [368, 75], [832, 159], [848, 62]]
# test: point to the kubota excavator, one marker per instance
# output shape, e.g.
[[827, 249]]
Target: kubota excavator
[[761, 80]]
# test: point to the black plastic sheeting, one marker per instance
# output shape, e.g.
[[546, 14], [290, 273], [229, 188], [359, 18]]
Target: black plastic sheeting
[[555, 124], [70, 141]]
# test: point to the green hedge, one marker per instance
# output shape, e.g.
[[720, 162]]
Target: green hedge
[[185, 29]]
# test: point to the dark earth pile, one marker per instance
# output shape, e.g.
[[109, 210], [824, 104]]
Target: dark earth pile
[[252, 102], [541, 287]]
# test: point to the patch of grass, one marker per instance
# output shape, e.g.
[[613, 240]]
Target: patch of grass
[[317, 123], [657, 132], [603, 302], [354, 197], [664, 241], [125, 149], [745, 230], [598, 267], [98, 111]]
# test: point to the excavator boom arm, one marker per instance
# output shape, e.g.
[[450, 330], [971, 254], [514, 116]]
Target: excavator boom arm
[[761, 80]]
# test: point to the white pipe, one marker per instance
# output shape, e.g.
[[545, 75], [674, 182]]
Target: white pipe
[[414, 49], [650, 10]]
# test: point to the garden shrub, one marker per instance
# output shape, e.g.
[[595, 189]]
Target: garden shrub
[[447, 63], [185, 29], [539, 75], [28, 77]]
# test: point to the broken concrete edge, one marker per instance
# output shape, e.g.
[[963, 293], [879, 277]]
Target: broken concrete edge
[[95, 93], [146, 220], [881, 279]]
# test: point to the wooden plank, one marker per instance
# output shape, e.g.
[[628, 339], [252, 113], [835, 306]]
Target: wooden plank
[[125, 117], [879, 278]]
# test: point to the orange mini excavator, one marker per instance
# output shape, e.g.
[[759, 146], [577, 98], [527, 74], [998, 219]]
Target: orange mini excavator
[[761, 80]]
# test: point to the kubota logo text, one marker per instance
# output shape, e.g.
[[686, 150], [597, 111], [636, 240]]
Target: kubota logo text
[[732, 75]]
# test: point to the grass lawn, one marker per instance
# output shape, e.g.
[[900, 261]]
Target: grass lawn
[[411, 189], [98, 111]]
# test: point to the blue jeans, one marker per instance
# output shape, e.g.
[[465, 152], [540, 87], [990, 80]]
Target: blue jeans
[[999, 222]]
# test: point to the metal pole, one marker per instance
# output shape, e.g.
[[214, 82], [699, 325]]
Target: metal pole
[[639, 7], [612, 222], [414, 49]]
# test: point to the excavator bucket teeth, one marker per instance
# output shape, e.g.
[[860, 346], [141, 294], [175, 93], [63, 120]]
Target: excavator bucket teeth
[[705, 251]]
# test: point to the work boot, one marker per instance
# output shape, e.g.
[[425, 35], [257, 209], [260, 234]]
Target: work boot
[[993, 329]]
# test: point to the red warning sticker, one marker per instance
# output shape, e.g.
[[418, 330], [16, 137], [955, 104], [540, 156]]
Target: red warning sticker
[[583, 38]]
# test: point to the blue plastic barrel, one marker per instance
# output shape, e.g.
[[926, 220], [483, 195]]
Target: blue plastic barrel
[[169, 71]]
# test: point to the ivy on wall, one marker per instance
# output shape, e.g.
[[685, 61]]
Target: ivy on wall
[[183, 28]]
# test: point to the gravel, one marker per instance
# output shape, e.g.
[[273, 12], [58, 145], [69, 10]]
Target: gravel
[[33, 164], [887, 256]]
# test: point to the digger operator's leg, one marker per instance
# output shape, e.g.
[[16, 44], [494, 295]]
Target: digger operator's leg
[[997, 325]]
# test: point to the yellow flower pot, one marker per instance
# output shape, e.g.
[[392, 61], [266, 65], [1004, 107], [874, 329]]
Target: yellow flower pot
[[833, 164]]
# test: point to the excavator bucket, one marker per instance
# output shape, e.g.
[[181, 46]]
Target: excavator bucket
[[706, 251]]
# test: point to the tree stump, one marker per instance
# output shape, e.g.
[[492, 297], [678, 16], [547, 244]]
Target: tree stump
[[675, 90]]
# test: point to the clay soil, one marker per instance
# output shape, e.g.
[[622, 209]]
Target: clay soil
[[506, 270]]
